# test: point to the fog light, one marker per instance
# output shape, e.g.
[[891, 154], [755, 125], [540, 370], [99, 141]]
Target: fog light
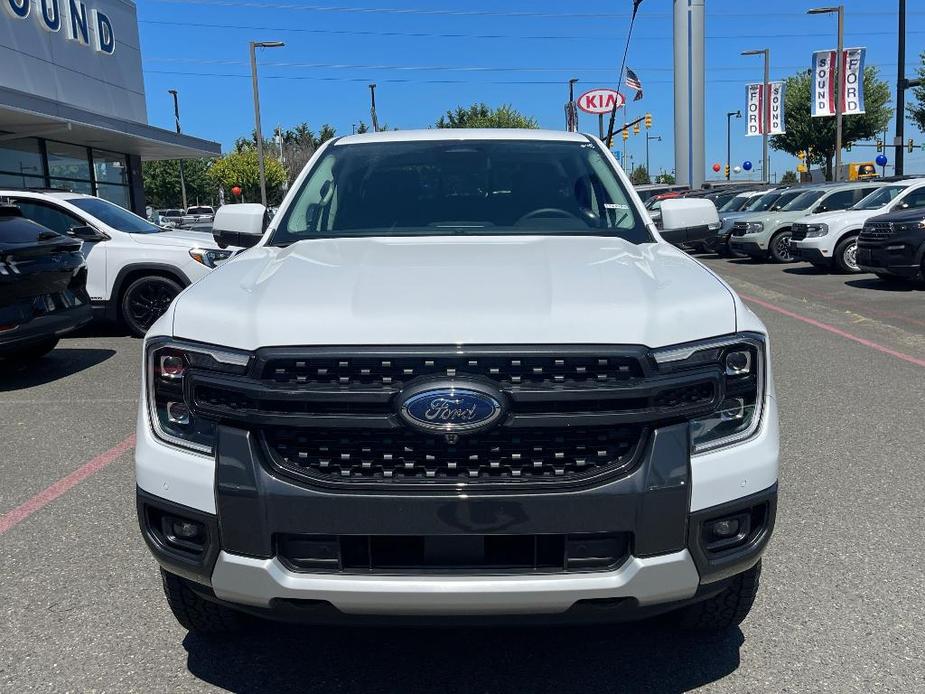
[[732, 409], [177, 413], [182, 533], [172, 366], [738, 363], [728, 527], [185, 530]]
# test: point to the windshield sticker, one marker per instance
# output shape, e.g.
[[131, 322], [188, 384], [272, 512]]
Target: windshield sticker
[[615, 206]]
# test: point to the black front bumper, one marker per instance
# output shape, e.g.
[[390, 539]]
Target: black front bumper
[[35, 320], [899, 256], [650, 505], [810, 255], [747, 247]]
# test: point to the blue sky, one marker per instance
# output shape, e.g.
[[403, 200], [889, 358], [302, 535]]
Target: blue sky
[[442, 54]]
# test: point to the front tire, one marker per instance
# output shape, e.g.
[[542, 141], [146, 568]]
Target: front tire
[[145, 300], [726, 610], [779, 247], [195, 613], [846, 255]]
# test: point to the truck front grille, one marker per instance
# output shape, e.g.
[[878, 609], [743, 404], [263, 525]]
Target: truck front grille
[[498, 455], [798, 232], [739, 228], [876, 231]]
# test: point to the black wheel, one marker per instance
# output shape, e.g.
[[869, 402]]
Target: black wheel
[[145, 300], [779, 248], [846, 255], [726, 610], [32, 351], [197, 614]]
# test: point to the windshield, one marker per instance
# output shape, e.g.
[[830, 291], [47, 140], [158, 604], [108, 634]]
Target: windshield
[[803, 201], [117, 217], [879, 198], [199, 210], [762, 202], [735, 204], [444, 187]]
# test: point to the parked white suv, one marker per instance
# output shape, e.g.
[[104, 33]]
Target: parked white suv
[[134, 268], [459, 374], [830, 239]]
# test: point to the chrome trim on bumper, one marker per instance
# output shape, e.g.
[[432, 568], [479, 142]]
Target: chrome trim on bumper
[[651, 580]]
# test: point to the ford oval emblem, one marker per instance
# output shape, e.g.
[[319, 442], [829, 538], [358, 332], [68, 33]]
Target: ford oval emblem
[[451, 408]]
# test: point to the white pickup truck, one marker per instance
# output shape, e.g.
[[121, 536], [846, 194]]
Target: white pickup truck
[[458, 375]]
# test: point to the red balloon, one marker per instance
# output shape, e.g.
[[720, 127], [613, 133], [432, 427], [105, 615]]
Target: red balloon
[[236, 190], [717, 167]]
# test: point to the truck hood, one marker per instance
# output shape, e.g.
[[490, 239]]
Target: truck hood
[[773, 219], [457, 290], [186, 239], [838, 218]]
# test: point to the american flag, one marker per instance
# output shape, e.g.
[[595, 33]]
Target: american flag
[[632, 81]]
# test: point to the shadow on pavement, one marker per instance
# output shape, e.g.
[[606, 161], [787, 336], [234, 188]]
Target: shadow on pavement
[[810, 270], [539, 659], [887, 286], [60, 362]]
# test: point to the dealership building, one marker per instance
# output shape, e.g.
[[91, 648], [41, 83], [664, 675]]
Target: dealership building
[[72, 101]]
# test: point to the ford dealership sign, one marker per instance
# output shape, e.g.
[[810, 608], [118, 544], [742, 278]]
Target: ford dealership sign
[[87, 26]]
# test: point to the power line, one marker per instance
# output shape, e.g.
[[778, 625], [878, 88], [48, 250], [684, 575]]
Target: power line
[[493, 36]]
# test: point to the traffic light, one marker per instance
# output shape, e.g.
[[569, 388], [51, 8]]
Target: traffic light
[[648, 120], [727, 171], [801, 154], [626, 134], [879, 145], [636, 129], [848, 147], [911, 144]]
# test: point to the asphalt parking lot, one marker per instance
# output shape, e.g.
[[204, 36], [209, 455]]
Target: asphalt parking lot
[[840, 608]]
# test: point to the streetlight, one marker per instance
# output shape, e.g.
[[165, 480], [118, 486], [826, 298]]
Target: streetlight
[[176, 115], [729, 115], [840, 11], [765, 117], [648, 138], [263, 176]]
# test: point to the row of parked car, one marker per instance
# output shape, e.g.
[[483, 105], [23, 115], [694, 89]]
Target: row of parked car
[[873, 226], [66, 256]]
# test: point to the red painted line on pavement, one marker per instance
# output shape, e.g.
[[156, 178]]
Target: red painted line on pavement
[[11, 519], [836, 331]]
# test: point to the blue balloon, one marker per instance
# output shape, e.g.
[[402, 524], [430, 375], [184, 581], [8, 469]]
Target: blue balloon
[[881, 160], [747, 165]]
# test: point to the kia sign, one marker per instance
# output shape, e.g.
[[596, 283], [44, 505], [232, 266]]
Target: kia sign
[[600, 101]]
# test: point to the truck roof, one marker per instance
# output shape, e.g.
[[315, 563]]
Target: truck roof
[[436, 134]]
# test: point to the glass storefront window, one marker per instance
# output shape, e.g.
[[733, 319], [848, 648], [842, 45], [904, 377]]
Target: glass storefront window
[[67, 161], [73, 186], [23, 157], [17, 181], [110, 167], [114, 193]]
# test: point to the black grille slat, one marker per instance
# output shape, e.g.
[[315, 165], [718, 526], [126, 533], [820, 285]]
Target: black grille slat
[[506, 370], [798, 232], [497, 455], [877, 231]]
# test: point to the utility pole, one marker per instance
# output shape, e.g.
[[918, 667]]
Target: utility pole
[[372, 107], [571, 112], [729, 115], [176, 115], [899, 157], [254, 45], [766, 115], [648, 139]]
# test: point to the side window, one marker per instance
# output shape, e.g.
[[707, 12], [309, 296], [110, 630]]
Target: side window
[[837, 201], [862, 193], [913, 200], [48, 216]]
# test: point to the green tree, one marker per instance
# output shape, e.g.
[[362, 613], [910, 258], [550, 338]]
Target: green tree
[[240, 168], [917, 108], [789, 177], [666, 178], [483, 116], [818, 134], [639, 176], [162, 182]]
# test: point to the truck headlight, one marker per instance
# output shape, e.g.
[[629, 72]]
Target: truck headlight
[[754, 227], [210, 257], [815, 230], [169, 365], [741, 359]]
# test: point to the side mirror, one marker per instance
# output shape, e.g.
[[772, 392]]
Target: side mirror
[[240, 225], [87, 234], [688, 219]]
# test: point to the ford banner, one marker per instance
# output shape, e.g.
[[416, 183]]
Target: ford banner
[[823, 85]]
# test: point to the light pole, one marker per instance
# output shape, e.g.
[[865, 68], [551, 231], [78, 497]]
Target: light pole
[[729, 115], [839, 67], [648, 139], [176, 115], [263, 175], [765, 116]]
